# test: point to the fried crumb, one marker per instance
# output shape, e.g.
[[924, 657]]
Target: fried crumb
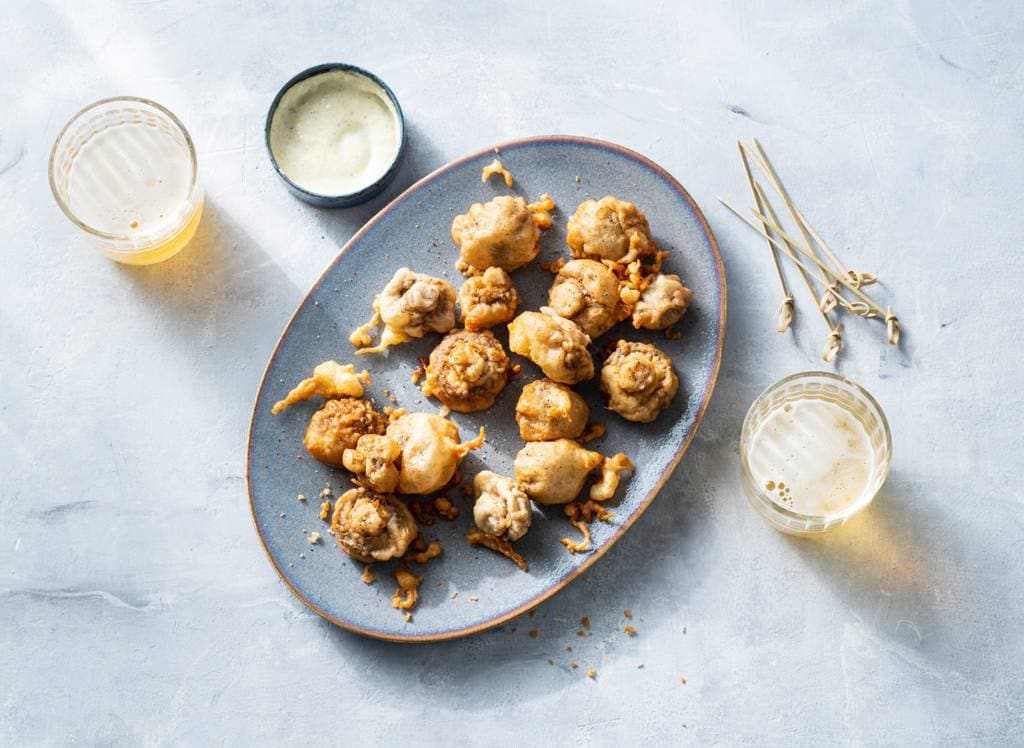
[[568, 648], [498, 545], [408, 616], [418, 510], [407, 594], [446, 508], [594, 431], [682, 679], [496, 167], [433, 550], [574, 665], [586, 622], [673, 333], [325, 511], [368, 576], [550, 661], [577, 179], [301, 497], [627, 613], [581, 632], [314, 538], [455, 594], [534, 633], [474, 598], [630, 630], [577, 546], [592, 673], [553, 267]]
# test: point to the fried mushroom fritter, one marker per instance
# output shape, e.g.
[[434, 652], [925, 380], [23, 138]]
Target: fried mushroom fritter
[[504, 232], [372, 527], [548, 410], [663, 303], [410, 306], [610, 229], [502, 507], [555, 344], [488, 299], [338, 426], [554, 472], [467, 370], [431, 451], [638, 381], [587, 292], [330, 379], [374, 460]]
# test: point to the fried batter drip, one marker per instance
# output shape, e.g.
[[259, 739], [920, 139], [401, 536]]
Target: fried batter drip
[[410, 306], [555, 344], [374, 460], [431, 451], [372, 527], [338, 426], [662, 304], [610, 229], [548, 410], [502, 507], [467, 371], [488, 299], [577, 546], [554, 472], [499, 233], [330, 379], [587, 292], [608, 483], [638, 381], [496, 544], [408, 592], [496, 167]]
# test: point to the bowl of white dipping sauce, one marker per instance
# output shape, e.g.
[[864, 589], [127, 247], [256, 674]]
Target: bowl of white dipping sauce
[[335, 134], [814, 450]]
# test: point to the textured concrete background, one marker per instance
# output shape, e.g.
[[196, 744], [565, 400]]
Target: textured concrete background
[[136, 605]]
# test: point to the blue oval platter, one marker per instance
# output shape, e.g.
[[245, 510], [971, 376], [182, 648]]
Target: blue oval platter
[[413, 231]]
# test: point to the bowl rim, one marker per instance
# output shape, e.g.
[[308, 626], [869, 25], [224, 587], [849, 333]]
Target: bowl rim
[[62, 204], [644, 504], [819, 522], [343, 198]]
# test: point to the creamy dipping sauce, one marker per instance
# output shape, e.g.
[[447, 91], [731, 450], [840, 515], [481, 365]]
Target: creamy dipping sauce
[[812, 456], [335, 133]]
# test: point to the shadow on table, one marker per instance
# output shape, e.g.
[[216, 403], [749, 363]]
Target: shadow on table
[[224, 298], [903, 567]]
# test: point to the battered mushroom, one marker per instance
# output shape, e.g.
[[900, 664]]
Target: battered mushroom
[[587, 292], [555, 344], [467, 370], [330, 379], [371, 526], [554, 472], [547, 410], [410, 306], [338, 425], [502, 508], [662, 303], [638, 381], [609, 229], [430, 451], [489, 299], [374, 460], [503, 232]]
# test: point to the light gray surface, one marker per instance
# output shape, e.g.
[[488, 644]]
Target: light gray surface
[[135, 603]]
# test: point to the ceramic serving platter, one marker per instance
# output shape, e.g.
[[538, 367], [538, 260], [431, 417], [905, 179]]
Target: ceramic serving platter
[[413, 231]]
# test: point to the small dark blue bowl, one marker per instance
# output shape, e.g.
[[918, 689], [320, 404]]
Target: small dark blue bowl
[[352, 198]]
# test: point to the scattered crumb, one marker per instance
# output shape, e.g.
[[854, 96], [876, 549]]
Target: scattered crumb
[[368, 576], [428, 552], [627, 613], [682, 679], [474, 598], [586, 622], [581, 632], [314, 538], [591, 673], [282, 515], [323, 494], [496, 167], [325, 511], [640, 666], [302, 497], [408, 616], [446, 508], [407, 594], [302, 555], [550, 661], [630, 630], [534, 633], [496, 544], [568, 648], [455, 594], [574, 665], [577, 179]]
